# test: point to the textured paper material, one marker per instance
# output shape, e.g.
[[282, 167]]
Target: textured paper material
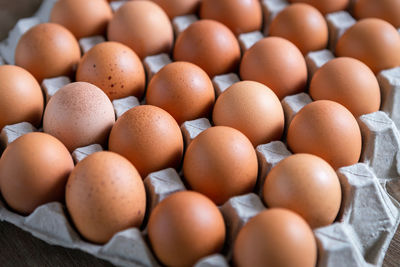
[[11, 132], [338, 23], [52, 85], [88, 42], [191, 129], [316, 60], [222, 82], [122, 105], [247, 40], [180, 23], [152, 64]]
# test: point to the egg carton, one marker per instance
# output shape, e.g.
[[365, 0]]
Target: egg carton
[[369, 215]]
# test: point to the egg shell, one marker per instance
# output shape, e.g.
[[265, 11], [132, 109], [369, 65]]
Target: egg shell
[[185, 227], [183, 89], [349, 82], [239, 15], [21, 98], [303, 25], [79, 114], [210, 45], [253, 109], [33, 171], [143, 26], [149, 137], [221, 163], [326, 129], [325, 6], [114, 68], [307, 185], [388, 10], [82, 18], [48, 50], [375, 42], [175, 8], [275, 237], [104, 195]]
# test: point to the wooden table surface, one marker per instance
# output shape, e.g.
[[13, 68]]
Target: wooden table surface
[[20, 248]]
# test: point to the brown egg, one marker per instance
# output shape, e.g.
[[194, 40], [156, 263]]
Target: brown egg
[[21, 97], [373, 41], [185, 227], [221, 163], [104, 195], [278, 64], [175, 8], [82, 18], [143, 26], [253, 109], [325, 6], [210, 45], [328, 130], [183, 89], [349, 82], [303, 25], [275, 238], [239, 15], [307, 185], [388, 10], [149, 137], [114, 68], [33, 171], [48, 50], [79, 114]]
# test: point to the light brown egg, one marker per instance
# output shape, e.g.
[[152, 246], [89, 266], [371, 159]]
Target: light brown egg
[[104, 195], [253, 109], [349, 82], [149, 137], [220, 163], [328, 130], [303, 25], [79, 114], [239, 15], [275, 238], [183, 89], [114, 68], [143, 26], [185, 227], [21, 97], [325, 6], [307, 185], [48, 50], [210, 45], [175, 8], [388, 10], [82, 18], [278, 64], [373, 41], [33, 171]]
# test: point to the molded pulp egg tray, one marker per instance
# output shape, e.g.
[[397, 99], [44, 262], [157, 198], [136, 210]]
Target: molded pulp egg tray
[[369, 213]]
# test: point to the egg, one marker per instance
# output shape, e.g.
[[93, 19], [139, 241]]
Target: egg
[[303, 25], [183, 89], [275, 238], [79, 114], [33, 171], [185, 227], [307, 185], [175, 8], [372, 41], [104, 195], [220, 163], [48, 50], [326, 129], [388, 10], [240, 16], [326, 6], [21, 97], [114, 68], [276, 63], [210, 45], [349, 82], [82, 18], [253, 109], [143, 26], [149, 137]]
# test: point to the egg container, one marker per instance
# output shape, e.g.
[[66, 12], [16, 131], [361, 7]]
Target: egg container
[[369, 214]]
